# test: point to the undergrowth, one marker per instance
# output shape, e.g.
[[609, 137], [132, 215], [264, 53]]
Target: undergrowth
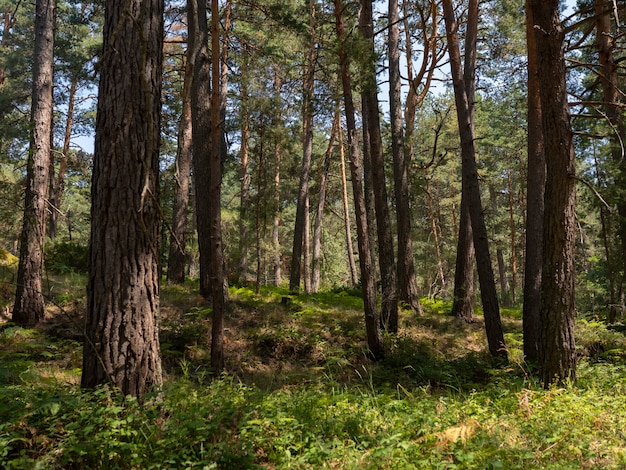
[[300, 392]]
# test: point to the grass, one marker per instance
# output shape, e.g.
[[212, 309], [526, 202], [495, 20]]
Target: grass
[[300, 392]]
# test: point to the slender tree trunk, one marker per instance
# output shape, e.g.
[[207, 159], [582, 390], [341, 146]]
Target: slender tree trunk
[[244, 175], [307, 144], [374, 337], [557, 353], [346, 212], [319, 217], [493, 325], [177, 259], [513, 237], [58, 186], [386, 256], [536, 184], [407, 284], [29, 307], [122, 326], [201, 134], [502, 277], [277, 206], [215, 209], [435, 231]]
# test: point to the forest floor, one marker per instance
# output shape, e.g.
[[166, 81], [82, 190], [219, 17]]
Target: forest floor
[[299, 391]]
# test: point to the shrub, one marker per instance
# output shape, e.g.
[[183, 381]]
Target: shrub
[[67, 257]]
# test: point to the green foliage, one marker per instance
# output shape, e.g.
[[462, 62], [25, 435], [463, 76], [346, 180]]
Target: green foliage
[[299, 392], [67, 257]]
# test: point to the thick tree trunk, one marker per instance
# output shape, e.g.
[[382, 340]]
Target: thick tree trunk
[[609, 79], [307, 146], [201, 134], [491, 309], [557, 353], [122, 342], [536, 184], [407, 284], [386, 256], [177, 258], [374, 337], [29, 308]]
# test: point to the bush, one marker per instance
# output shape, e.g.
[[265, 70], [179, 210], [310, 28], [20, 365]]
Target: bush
[[67, 257]]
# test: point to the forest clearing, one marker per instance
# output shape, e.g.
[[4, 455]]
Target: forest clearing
[[298, 391]]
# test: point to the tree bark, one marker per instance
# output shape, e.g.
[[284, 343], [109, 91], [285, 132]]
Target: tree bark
[[557, 353], [201, 134], [122, 342], [491, 309], [536, 184], [29, 307], [244, 173], [407, 284], [609, 80], [307, 146], [374, 337], [386, 256]]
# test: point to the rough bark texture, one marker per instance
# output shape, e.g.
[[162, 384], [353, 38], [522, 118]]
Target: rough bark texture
[[491, 309], [556, 340], [244, 174], [534, 207], [122, 342], [386, 256], [609, 80], [374, 338], [177, 258], [307, 151], [201, 134], [407, 284], [29, 308]]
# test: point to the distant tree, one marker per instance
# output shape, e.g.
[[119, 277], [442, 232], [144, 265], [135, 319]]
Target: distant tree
[[177, 258], [29, 306], [557, 354], [122, 325]]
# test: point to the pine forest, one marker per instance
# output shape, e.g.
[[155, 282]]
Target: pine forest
[[312, 234]]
